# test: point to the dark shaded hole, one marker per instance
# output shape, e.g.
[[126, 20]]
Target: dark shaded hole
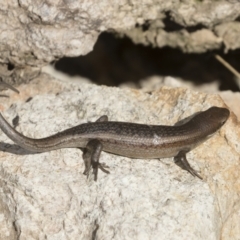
[[15, 121], [115, 61], [29, 99], [10, 66], [171, 26]]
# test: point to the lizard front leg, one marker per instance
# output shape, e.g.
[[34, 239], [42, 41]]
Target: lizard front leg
[[182, 162]]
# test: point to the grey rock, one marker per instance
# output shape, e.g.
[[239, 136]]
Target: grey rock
[[38, 32], [47, 196]]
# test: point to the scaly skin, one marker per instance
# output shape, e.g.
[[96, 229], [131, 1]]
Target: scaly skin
[[129, 139]]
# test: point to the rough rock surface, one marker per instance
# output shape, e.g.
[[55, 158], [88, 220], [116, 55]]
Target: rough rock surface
[[46, 195], [33, 33], [153, 83]]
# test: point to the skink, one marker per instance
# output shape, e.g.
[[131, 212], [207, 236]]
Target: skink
[[128, 139]]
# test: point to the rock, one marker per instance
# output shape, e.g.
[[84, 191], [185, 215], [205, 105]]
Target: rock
[[38, 32], [232, 99], [230, 33], [46, 195]]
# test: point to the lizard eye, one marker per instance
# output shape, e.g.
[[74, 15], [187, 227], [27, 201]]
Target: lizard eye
[[223, 121]]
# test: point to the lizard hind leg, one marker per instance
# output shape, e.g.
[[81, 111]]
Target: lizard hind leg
[[182, 162], [91, 155]]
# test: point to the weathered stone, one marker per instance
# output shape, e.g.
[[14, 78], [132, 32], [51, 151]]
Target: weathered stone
[[34, 33], [46, 195]]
